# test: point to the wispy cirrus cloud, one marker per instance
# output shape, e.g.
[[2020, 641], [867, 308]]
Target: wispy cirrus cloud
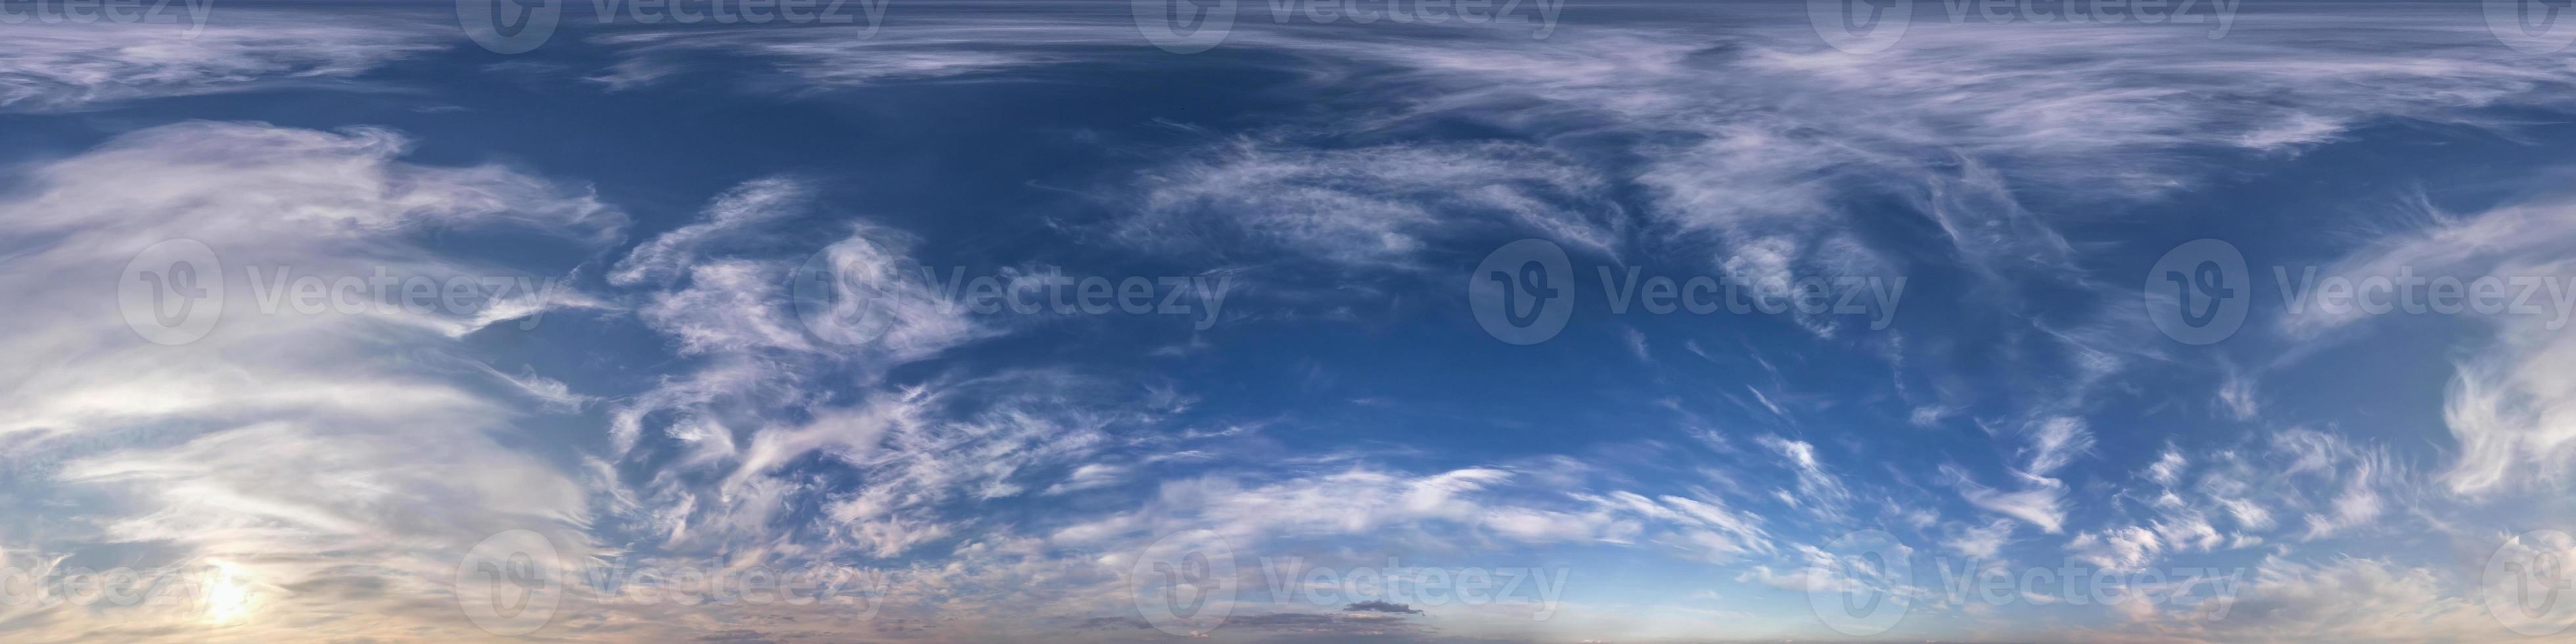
[[1365, 207], [76, 67], [294, 449], [2505, 404]]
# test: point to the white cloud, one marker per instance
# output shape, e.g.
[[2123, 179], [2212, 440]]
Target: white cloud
[[2167, 470], [2238, 397], [2358, 503], [2055, 442], [1817, 488], [1981, 542], [73, 67], [729, 306], [735, 212], [761, 343], [2344, 599], [1088, 476], [1365, 207], [2118, 550], [2509, 403], [2248, 514], [926, 48], [292, 448], [2042, 504]]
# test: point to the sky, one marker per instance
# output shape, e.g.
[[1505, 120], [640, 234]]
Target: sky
[[1287, 321]]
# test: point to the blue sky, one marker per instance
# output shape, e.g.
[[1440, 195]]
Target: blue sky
[[374, 322]]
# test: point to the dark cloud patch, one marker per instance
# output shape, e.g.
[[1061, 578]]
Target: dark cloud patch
[[1383, 606], [1343, 624], [345, 587], [1283, 620], [738, 636], [1112, 624]]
